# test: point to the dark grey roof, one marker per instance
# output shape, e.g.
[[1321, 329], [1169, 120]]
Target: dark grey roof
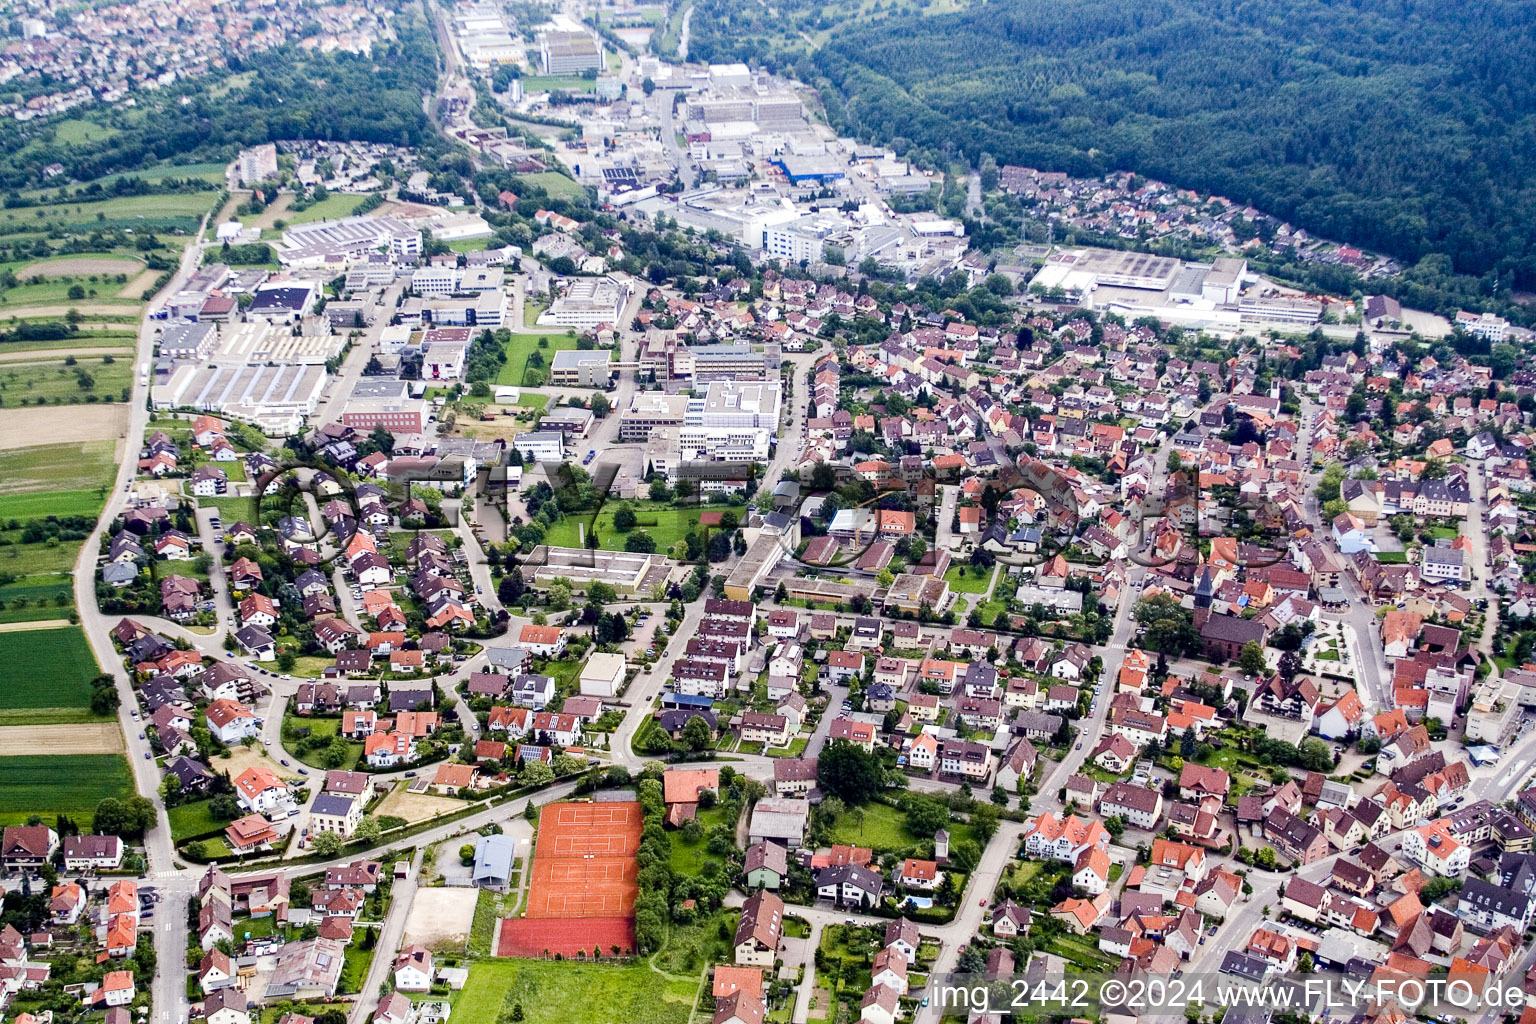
[[332, 804]]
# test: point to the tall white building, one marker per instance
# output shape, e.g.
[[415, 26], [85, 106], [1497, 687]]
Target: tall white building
[[732, 422]]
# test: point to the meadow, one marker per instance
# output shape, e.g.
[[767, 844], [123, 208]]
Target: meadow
[[574, 993], [53, 382], [173, 210]]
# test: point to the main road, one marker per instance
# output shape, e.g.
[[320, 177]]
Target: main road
[[168, 991]]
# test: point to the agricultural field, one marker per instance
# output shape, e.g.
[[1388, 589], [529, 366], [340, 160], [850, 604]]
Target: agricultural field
[[574, 993], [32, 598], [174, 210], [49, 673], [68, 784], [56, 479], [666, 525], [40, 559]]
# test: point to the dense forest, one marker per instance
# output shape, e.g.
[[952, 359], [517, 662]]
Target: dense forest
[[291, 94], [1407, 126]]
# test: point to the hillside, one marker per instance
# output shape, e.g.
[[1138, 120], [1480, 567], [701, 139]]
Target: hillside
[[1403, 126]]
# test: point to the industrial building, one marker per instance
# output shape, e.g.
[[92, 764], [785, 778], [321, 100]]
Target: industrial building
[[588, 303], [569, 53], [351, 238], [275, 398]]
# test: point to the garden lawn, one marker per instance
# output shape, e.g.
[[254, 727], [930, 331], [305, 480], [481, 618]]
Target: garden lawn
[[1392, 557], [524, 345], [354, 970], [688, 858], [68, 784], [989, 610], [967, 579], [327, 727], [884, 829], [666, 525], [191, 820], [574, 993], [48, 671]]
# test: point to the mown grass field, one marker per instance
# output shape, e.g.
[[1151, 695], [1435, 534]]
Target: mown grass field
[[670, 525], [47, 671], [524, 345], [557, 185], [967, 579], [192, 819], [56, 479], [332, 207], [70, 784], [574, 993]]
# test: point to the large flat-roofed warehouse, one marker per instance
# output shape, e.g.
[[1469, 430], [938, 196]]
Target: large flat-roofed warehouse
[[628, 572], [257, 342], [569, 53], [587, 303], [810, 168], [349, 238], [275, 398], [1085, 269]]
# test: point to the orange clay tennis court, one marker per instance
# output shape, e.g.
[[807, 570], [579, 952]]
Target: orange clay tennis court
[[583, 871]]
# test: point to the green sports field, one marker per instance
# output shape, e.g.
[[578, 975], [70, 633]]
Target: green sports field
[[70, 784]]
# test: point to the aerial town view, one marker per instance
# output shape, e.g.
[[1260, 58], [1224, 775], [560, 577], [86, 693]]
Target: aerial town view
[[710, 512]]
